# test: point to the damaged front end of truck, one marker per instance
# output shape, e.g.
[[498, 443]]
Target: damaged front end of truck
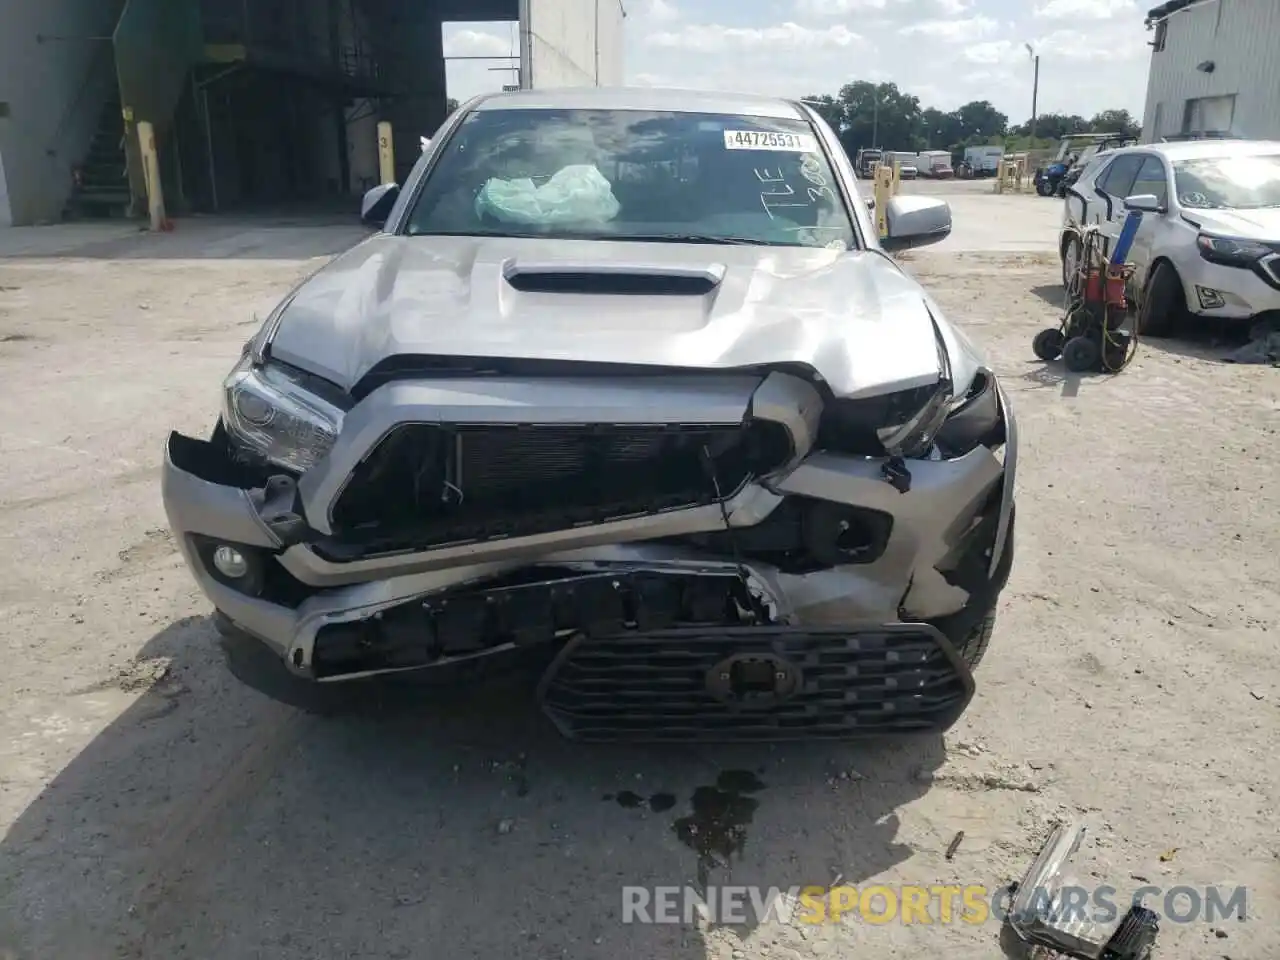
[[691, 554]]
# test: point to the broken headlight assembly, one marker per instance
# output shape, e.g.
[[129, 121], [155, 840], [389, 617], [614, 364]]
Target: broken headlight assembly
[[1051, 909], [919, 423], [280, 414], [912, 418]]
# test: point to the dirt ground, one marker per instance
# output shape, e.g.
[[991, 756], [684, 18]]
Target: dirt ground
[[151, 806]]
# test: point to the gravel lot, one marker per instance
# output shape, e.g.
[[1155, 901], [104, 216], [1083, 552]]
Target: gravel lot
[[151, 806]]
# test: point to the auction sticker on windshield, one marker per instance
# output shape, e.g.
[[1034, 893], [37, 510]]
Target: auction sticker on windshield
[[770, 140]]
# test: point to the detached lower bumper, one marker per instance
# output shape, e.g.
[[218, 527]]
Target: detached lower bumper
[[663, 633]]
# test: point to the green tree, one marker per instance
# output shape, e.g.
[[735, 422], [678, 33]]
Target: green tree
[[1053, 126], [450, 105], [979, 118], [1115, 121], [826, 106], [879, 115], [940, 130]]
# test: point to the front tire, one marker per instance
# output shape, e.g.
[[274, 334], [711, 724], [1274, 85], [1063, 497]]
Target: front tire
[[1164, 305], [1044, 188], [974, 647], [1071, 254]]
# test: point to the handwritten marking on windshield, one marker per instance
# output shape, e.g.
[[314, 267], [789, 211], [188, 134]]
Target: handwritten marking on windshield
[[776, 177], [811, 170]]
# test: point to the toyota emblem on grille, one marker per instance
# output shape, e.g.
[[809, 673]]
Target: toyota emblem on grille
[[753, 679]]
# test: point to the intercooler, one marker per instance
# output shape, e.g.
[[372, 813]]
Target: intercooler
[[431, 484]]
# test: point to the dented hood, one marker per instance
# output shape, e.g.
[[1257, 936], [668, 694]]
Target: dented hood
[[1260, 224], [855, 318]]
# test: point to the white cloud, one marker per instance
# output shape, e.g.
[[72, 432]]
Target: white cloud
[[660, 11], [1085, 9], [837, 8], [993, 51], [954, 31], [476, 43], [1079, 46], [714, 38], [987, 76], [954, 7]]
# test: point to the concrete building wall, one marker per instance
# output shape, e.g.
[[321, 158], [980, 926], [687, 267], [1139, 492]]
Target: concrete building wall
[[1242, 40], [55, 91], [571, 43]]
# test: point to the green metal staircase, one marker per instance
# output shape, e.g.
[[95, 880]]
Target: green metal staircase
[[101, 185]]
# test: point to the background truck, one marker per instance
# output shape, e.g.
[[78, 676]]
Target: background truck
[[984, 161], [934, 163], [865, 162]]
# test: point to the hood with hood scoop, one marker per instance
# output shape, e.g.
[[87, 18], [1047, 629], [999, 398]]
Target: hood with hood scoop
[[854, 317]]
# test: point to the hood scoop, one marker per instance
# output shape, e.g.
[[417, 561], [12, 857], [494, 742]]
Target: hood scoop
[[613, 279]]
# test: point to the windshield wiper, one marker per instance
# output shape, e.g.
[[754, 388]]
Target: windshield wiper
[[693, 238]]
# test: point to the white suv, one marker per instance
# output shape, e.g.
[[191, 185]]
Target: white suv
[[1209, 242]]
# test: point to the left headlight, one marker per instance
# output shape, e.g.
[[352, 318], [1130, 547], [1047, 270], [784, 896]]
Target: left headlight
[[1230, 252], [275, 412]]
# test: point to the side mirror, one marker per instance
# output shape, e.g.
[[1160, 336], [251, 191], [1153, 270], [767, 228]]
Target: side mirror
[[1144, 203], [377, 203], [915, 221]]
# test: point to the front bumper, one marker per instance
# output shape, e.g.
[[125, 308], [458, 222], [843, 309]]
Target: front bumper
[[879, 642], [1228, 293]]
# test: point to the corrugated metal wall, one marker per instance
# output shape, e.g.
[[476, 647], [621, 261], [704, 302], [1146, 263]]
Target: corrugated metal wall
[[1242, 38], [571, 43]]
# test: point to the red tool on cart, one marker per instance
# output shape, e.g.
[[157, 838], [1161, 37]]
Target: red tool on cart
[[1094, 334]]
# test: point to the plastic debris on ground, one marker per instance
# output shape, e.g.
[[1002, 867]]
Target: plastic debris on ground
[[1263, 345]]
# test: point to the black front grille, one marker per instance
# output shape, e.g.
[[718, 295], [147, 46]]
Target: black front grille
[[432, 485], [655, 686]]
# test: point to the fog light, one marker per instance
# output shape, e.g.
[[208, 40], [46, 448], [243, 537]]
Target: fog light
[[1210, 299], [230, 562]]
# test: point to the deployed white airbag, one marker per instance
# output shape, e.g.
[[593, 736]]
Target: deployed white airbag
[[574, 194]]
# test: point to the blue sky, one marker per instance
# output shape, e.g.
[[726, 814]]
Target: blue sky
[[1093, 53]]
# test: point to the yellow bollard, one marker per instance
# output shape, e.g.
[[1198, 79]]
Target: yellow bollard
[[151, 172], [883, 190], [386, 153]]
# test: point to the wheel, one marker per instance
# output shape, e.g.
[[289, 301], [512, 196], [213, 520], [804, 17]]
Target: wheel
[[1163, 304], [1044, 188], [975, 644], [1081, 354], [1071, 253], [1048, 344]]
